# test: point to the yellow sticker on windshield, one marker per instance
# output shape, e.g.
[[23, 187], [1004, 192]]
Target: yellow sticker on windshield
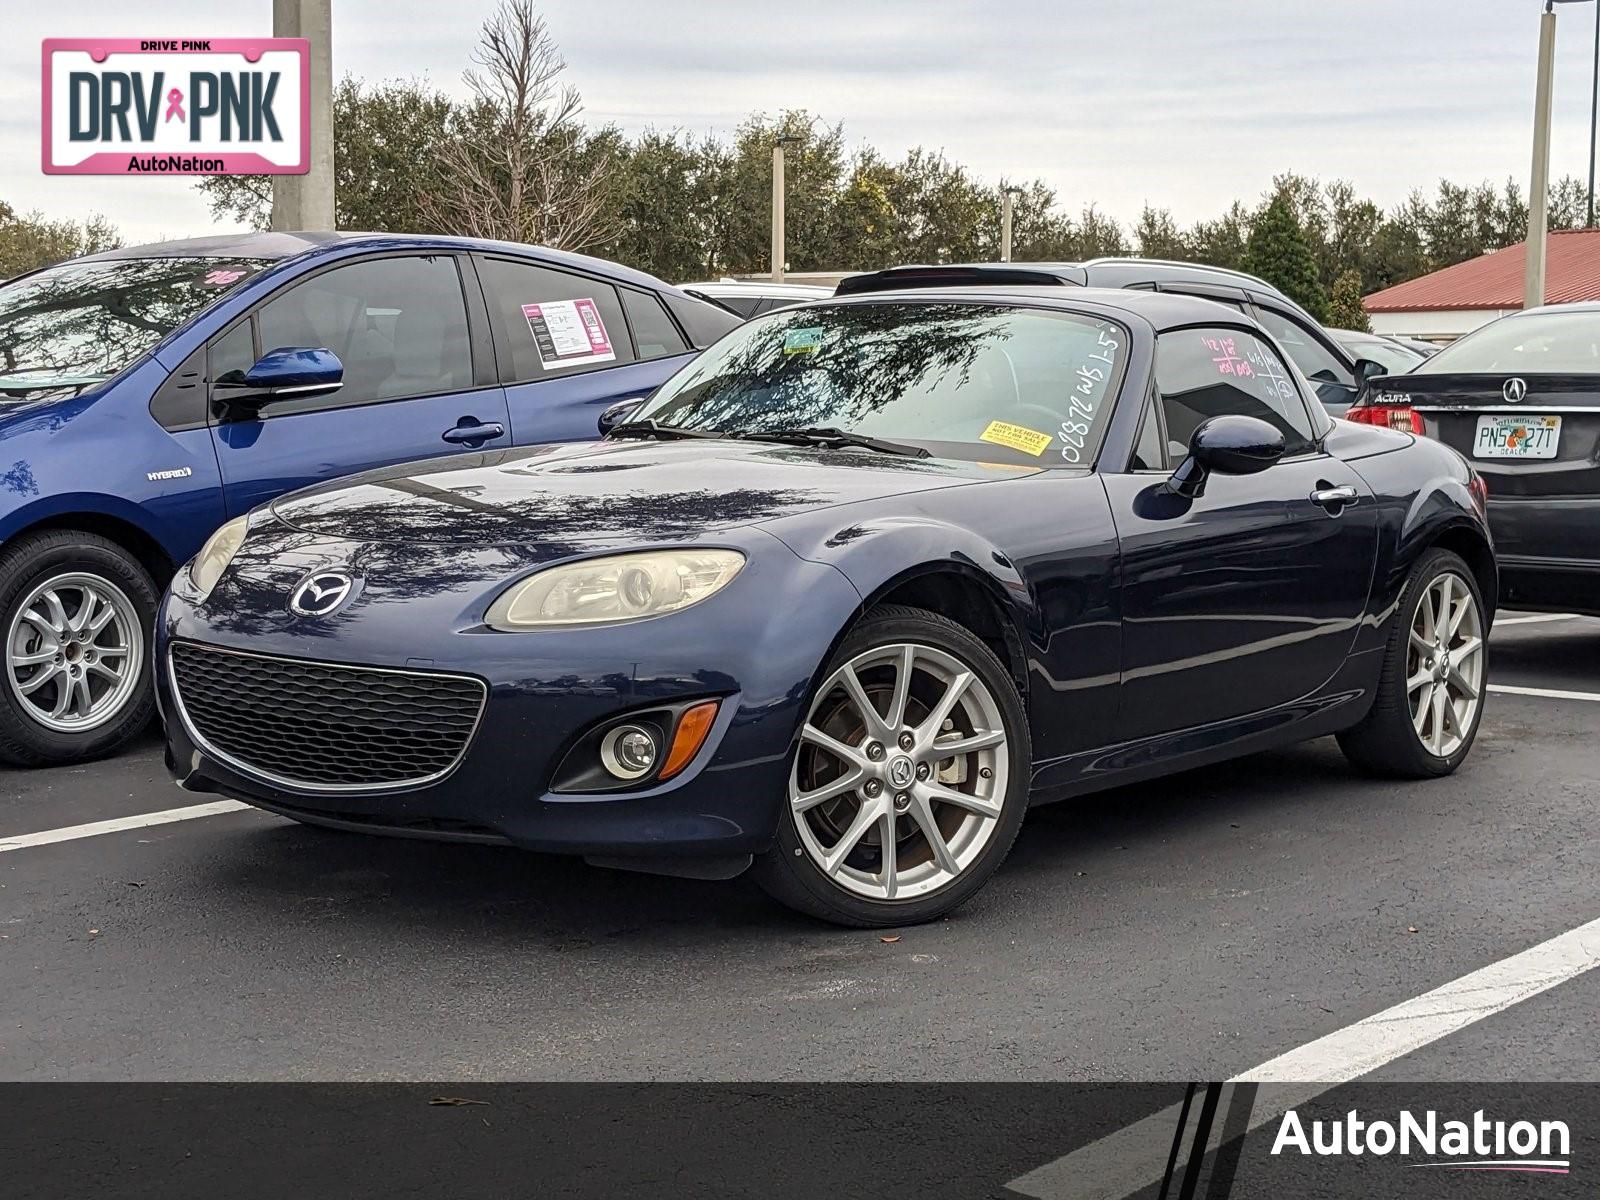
[[1017, 437]]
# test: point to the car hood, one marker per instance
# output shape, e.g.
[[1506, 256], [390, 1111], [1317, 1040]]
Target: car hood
[[584, 493]]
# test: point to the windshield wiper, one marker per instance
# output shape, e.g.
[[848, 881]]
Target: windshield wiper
[[651, 428], [829, 436]]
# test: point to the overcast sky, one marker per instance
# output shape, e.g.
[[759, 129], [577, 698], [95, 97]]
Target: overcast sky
[[1183, 103]]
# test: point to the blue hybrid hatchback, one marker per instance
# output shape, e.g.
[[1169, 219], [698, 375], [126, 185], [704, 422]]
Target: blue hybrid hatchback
[[149, 394]]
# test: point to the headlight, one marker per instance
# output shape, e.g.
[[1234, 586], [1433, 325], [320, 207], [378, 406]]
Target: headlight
[[215, 556], [624, 587]]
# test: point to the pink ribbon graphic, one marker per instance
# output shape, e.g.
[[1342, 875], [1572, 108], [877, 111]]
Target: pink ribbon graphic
[[175, 105]]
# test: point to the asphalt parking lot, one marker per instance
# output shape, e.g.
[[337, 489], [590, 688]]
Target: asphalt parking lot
[[1189, 928]]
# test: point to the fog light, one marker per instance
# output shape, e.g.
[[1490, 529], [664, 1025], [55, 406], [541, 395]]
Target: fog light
[[628, 752]]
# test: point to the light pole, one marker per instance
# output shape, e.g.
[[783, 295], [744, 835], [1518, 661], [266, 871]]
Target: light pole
[[1539, 188], [777, 204], [1008, 200], [1594, 114], [307, 201]]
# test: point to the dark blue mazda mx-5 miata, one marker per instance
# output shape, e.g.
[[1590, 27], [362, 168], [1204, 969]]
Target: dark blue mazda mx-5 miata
[[843, 597]]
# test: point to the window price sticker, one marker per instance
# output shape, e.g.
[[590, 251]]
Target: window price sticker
[[569, 332]]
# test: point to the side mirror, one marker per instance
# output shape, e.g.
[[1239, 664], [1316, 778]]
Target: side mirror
[[287, 371], [1367, 368], [1231, 445], [617, 413]]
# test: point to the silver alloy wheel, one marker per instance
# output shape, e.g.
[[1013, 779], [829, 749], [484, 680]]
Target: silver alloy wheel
[[75, 652], [1444, 665], [901, 773]]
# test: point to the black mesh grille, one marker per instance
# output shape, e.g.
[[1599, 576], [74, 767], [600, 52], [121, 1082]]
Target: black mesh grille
[[319, 725]]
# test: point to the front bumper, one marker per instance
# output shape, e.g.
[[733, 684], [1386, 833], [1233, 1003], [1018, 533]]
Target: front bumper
[[755, 652]]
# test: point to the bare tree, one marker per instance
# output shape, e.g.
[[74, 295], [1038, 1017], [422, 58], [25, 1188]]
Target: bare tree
[[520, 166]]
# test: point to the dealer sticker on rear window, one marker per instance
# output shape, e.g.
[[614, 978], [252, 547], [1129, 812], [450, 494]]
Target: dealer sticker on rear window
[[567, 332], [1016, 437], [803, 341]]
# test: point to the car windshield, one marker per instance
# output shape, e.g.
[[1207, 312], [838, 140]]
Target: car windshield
[[68, 327], [1550, 343], [976, 381]]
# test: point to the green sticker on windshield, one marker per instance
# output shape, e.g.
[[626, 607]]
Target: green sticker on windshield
[[803, 341]]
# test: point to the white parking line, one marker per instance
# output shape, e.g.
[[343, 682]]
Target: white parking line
[[1361, 1048], [1547, 693], [1499, 621], [1132, 1158], [71, 833]]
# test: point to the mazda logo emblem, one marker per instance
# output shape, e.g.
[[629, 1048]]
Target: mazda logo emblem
[[321, 593], [1514, 390], [901, 772]]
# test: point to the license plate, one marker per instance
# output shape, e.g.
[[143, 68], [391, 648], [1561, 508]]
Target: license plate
[[1517, 437]]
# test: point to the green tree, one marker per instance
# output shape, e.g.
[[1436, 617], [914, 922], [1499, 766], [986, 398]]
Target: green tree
[[387, 158], [29, 241], [1279, 253], [942, 214], [1569, 206], [1040, 232], [1095, 235], [1222, 242], [664, 220], [1156, 235], [1345, 310], [1448, 229], [813, 168], [386, 140], [1351, 227], [1310, 207], [866, 224], [1397, 252]]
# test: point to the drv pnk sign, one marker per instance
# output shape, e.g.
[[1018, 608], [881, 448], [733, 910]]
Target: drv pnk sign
[[155, 106]]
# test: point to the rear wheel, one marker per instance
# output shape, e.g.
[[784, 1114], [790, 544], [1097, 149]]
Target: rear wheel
[[75, 614], [1435, 672], [910, 781]]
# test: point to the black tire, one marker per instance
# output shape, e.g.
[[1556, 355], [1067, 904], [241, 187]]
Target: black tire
[[1385, 742], [30, 561], [788, 873]]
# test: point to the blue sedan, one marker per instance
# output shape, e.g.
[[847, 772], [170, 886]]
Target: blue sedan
[[149, 394], [845, 597]]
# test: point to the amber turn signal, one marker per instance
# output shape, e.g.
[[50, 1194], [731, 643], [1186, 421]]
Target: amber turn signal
[[691, 733]]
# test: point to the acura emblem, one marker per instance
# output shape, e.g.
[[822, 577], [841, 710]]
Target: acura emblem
[[320, 594], [1514, 390]]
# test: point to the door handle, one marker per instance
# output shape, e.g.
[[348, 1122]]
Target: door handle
[[474, 433], [1335, 497]]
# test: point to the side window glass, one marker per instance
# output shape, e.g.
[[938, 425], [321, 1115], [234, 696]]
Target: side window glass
[[399, 326], [552, 322], [1327, 374], [1204, 373], [233, 351], [1149, 454], [1225, 301], [653, 331]]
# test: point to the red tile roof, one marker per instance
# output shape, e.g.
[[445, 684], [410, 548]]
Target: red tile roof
[[1494, 280]]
